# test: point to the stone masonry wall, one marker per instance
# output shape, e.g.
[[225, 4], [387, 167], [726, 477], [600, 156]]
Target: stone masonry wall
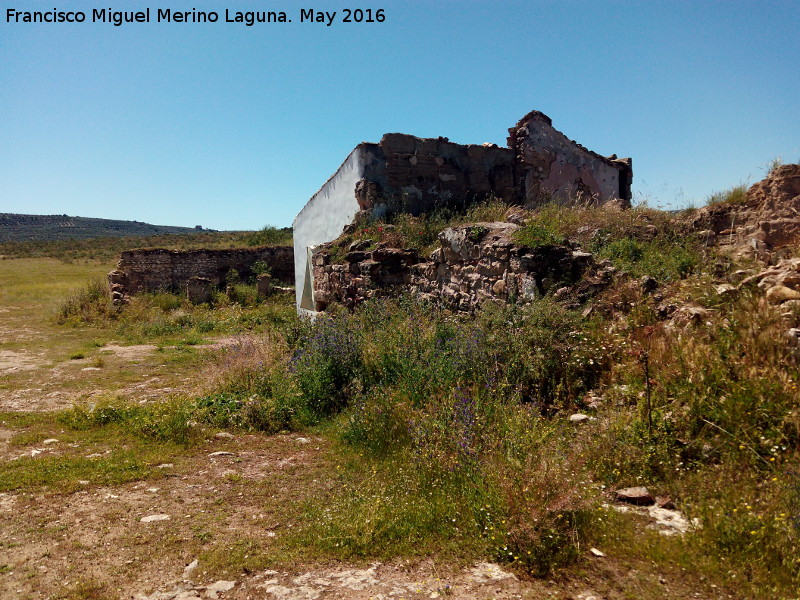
[[420, 174], [540, 164], [159, 269], [406, 174], [473, 264]]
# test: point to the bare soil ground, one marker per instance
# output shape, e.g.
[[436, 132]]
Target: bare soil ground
[[46, 367]]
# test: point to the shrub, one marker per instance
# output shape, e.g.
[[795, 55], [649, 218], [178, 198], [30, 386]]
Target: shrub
[[270, 236], [251, 388], [326, 362], [379, 421], [242, 294], [167, 421], [545, 352], [88, 305], [259, 268]]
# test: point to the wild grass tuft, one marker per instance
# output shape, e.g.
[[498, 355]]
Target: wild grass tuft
[[639, 241], [169, 317], [734, 195], [165, 421], [89, 304]]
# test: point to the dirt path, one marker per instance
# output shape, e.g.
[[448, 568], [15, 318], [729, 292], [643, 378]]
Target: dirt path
[[39, 376], [44, 366], [229, 495]]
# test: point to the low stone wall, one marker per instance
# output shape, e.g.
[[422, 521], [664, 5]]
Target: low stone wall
[[474, 263], [155, 269]]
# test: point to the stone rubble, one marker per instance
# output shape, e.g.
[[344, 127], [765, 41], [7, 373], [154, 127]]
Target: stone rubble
[[154, 518], [378, 581], [635, 495]]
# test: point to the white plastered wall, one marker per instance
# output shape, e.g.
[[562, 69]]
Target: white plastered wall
[[322, 220]]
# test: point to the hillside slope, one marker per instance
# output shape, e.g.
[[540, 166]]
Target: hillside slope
[[14, 227]]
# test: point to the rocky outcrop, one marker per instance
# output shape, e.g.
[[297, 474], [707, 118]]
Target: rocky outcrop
[[474, 263], [762, 226], [153, 269]]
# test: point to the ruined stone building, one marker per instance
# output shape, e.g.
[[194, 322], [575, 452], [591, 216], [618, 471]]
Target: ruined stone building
[[158, 269], [415, 175]]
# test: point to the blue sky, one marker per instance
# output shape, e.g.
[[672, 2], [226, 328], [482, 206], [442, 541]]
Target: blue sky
[[235, 127]]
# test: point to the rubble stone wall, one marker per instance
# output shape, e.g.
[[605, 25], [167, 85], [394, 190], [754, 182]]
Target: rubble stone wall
[[765, 226], [156, 269], [473, 264]]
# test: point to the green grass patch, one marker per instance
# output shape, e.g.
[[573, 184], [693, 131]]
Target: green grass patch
[[65, 473], [639, 241], [105, 444], [232, 559], [169, 318], [400, 229], [166, 421]]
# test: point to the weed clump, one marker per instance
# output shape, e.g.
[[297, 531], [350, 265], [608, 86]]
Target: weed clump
[[87, 305], [734, 195], [639, 241], [440, 404], [167, 421]]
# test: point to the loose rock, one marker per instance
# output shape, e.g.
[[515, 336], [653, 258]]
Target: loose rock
[[216, 588], [635, 495], [153, 518], [579, 418]]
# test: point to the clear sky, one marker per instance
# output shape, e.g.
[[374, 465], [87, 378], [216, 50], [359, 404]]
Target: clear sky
[[235, 127]]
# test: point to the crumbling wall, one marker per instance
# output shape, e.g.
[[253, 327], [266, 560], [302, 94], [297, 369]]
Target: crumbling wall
[[539, 165], [416, 175], [473, 264], [403, 173], [550, 167], [153, 269]]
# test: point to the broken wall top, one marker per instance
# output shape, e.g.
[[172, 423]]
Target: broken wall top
[[420, 174], [517, 132], [549, 167]]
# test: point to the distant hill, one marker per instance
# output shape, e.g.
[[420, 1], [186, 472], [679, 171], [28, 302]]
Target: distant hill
[[17, 228]]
